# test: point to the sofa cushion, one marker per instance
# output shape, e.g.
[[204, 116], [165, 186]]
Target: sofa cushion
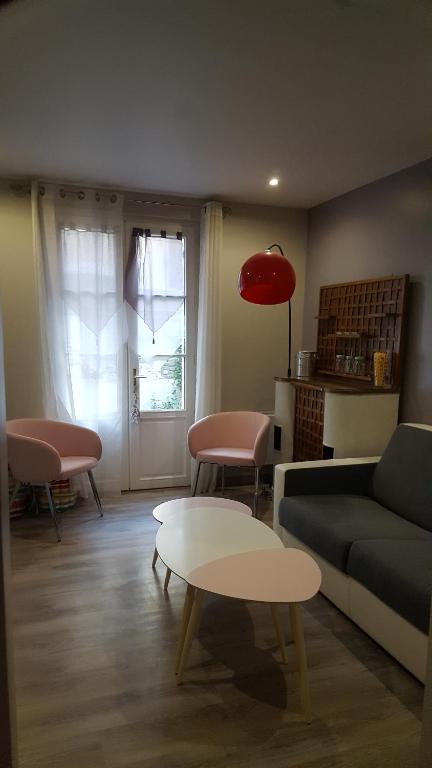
[[398, 573], [402, 479], [329, 524]]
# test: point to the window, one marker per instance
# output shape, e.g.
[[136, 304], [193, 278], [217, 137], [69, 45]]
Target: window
[[161, 338]]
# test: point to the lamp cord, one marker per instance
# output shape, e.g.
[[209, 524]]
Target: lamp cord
[[276, 245]]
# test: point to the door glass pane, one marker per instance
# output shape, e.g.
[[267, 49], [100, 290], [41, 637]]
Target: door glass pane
[[162, 389], [162, 336]]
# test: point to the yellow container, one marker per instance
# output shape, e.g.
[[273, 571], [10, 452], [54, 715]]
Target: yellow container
[[379, 360]]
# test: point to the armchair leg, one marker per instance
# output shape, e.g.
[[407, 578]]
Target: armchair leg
[[255, 501], [34, 504], [223, 480], [14, 492], [196, 479], [95, 492], [52, 510]]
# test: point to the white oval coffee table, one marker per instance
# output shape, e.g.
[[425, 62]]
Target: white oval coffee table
[[164, 511], [237, 556]]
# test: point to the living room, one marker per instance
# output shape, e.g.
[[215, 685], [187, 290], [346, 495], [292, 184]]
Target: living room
[[225, 141]]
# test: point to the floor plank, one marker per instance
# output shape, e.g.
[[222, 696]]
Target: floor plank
[[95, 648]]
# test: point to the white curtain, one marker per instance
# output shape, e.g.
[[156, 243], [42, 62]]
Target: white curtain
[[78, 252], [208, 388], [154, 279]]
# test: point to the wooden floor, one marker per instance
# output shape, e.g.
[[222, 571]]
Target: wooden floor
[[95, 644]]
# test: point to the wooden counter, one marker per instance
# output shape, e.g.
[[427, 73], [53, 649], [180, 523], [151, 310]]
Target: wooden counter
[[328, 417], [338, 384]]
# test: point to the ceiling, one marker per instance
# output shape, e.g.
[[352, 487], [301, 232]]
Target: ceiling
[[210, 98]]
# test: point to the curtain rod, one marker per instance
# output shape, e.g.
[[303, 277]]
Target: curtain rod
[[81, 193], [164, 202], [139, 232], [21, 190], [226, 210]]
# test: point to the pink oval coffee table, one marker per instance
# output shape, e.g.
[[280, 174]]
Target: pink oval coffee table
[[238, 556], [272, 576], [164, 512]]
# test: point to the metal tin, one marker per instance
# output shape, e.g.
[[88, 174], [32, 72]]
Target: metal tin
[[305, 362]]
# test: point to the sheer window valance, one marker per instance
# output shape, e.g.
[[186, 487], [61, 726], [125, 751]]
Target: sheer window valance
[[155, 279]]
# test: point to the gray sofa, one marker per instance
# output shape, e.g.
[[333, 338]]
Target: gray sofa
[[368, 524]]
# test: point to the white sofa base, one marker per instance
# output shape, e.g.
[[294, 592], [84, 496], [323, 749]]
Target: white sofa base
[[400, 638]]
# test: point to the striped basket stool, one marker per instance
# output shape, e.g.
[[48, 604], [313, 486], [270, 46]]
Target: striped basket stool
[[22, 498], [64, 496], [33, 498]]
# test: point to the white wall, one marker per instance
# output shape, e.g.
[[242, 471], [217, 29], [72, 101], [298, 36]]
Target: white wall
[[255, 338], [19, 308]]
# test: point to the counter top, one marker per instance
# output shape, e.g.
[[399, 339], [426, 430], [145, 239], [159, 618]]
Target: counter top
[[339, 385]]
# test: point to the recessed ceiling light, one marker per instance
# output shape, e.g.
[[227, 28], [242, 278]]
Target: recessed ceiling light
[[273, 182]]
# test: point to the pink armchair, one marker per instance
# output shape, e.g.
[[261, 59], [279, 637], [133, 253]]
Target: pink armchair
[[234, 438], [41, 451]]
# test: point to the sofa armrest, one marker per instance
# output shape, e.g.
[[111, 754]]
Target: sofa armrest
[[300, 478]]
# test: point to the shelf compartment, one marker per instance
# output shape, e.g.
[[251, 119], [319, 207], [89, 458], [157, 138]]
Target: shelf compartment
[[326, 372]]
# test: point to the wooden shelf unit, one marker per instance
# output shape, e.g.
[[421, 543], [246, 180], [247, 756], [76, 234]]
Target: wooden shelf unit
[[354, 318]]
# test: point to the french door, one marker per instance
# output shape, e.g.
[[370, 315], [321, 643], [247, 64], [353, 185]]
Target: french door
[[161, 354]]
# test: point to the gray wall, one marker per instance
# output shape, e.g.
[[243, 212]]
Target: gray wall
[[382, 229]]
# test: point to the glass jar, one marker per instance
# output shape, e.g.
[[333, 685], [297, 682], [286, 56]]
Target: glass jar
[[340, 363], [359, 365], [349, 364]]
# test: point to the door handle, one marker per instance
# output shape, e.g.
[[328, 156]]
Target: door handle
[[135, 377]]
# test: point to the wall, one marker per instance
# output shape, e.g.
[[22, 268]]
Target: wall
[[381, 229], [255, 338], [19, 308]]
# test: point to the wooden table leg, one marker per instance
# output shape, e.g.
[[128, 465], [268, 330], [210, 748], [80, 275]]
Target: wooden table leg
[[279, 632], [189, 598], [155, 557], [167, 578], [190, 632], [298, 637]]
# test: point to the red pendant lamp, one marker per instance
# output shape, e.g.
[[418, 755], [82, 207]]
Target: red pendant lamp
[[269, 278]]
